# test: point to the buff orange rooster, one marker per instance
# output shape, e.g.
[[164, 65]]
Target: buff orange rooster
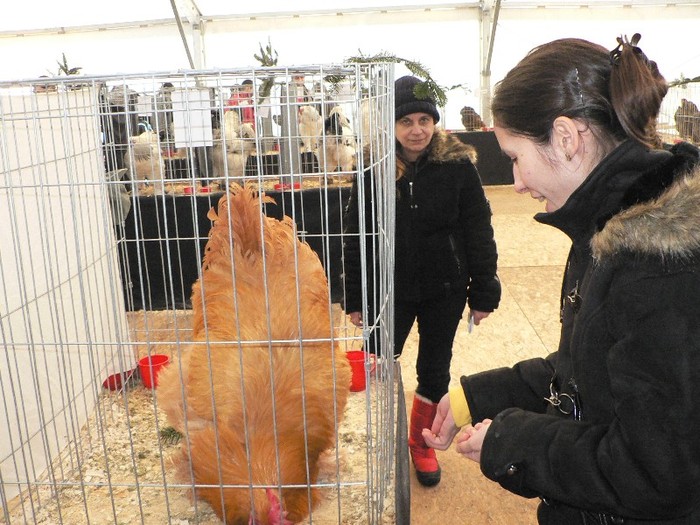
[[254, 393]]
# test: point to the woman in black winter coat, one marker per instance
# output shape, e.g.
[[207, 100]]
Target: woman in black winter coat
[[607, 429], [445, 254]]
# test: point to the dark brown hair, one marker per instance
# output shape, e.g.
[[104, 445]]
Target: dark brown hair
[[617, 93]]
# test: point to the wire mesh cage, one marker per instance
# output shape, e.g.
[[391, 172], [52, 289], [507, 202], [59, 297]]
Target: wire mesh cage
[[171, 291], [679, 118]]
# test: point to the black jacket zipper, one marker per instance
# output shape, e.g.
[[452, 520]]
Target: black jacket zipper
[[453, 246]]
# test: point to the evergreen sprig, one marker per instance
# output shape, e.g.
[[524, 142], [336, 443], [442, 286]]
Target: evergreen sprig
[[683, 81], [170, 436], [63, 67], [268, 57], [426, 89]]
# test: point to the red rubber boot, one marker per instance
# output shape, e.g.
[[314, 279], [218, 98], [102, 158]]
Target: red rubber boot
[[424, 459]]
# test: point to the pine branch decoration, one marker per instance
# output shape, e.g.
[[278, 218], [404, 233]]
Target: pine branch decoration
[[426, 89], [683, 81], [63, 67], [268, 57]]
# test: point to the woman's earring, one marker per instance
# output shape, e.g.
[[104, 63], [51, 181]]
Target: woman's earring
[[566, 154]]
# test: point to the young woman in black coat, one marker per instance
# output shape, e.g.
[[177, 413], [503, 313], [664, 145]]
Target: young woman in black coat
[[445, 254], [606, 429]]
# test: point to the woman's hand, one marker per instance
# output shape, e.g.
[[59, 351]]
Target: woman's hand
[[478, 316], [470, 441], [444, 430]]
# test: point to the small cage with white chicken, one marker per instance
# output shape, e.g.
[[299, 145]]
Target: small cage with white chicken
[[171, 291]]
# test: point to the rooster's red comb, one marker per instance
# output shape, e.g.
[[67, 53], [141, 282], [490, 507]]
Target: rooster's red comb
[[276, 516]]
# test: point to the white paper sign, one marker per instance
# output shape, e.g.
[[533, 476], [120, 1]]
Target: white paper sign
[[192, 117]]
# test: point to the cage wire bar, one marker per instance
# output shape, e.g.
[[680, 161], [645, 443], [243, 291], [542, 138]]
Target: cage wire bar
[[105, 197]]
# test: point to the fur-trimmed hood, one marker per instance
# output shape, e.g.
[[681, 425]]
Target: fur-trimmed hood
[[445, 147], [667, 226]]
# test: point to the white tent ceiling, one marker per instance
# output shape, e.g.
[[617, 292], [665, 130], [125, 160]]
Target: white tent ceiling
[[45, 15], [452, 39]]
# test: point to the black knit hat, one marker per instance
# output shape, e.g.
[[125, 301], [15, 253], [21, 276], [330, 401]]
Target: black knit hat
[[405, 101]]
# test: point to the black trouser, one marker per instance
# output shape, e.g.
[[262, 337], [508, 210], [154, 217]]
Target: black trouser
[[438, 319]]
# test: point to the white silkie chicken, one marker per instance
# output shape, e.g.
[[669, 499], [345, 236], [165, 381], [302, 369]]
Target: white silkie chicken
[[144, 160], [232, 147], [337, 148], [310, 128]]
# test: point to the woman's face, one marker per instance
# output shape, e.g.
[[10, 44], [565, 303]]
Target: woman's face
[[414, 132], [535, 172]]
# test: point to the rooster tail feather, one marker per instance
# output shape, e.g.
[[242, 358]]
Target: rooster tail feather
[[239, 216]]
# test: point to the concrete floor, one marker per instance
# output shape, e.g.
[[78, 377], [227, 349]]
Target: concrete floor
[[526, 324]]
